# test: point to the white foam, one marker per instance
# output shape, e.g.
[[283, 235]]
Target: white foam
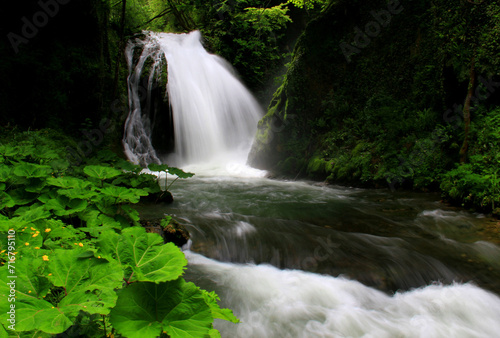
[[290, 303]]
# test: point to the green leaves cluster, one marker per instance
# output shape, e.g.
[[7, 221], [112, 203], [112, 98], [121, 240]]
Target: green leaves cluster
[[477, 183], [82, 262], [468, 30]]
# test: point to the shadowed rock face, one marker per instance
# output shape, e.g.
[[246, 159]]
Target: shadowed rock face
[[160, 115]]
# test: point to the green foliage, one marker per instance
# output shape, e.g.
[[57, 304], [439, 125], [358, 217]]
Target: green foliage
[[477, 183], [79, 259], [142, 255], [176, 308], [163, 168], [468, 31], [308, 4]]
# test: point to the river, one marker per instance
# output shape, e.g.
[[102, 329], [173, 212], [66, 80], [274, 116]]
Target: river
[[304, 259]]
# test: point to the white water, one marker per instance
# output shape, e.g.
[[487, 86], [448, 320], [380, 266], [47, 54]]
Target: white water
[[292, 303], [215, 116]]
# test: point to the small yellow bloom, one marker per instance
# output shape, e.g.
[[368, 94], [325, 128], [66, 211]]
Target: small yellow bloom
[[80, 244], [32, 228], [75, 243], [98, 256], [45, 257], [37, 247], [48, 230], [35, 235], [50, 274], [29, 291], [26, 243], [2, 251]]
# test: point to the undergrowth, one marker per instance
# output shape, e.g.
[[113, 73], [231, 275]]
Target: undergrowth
[[74, 258]]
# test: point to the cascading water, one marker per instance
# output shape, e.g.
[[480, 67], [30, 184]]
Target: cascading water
[[214, 115]]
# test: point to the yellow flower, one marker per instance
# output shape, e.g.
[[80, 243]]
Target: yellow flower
[[26, 243], [2, 251], [29, 291], [32, 228], [48, 230], [35, 235], [45, 257], [80, 244], [37, 247], [50, 274]]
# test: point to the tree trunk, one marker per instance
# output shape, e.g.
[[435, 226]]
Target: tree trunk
[[466, 111]]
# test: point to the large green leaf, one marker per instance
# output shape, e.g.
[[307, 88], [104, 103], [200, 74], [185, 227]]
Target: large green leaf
[[8, 150], [31, 170], [171, 170], [6, 201], [101, 172], [5, 173], [178, 172], [149, 259], [33, 212], [89, 280], [77, 193], [122, 194], [145, 310], [38, 314], [68, 182], [63, 206], [21, 196], [91, 216], [158, 167], [35, 185]]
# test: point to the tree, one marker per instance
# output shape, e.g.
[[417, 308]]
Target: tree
[[470, 35]]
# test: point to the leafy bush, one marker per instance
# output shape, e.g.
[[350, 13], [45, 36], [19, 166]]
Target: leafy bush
[[477, 183], [82, 262]]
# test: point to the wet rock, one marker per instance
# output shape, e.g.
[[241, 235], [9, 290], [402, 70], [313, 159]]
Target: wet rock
[[173, 233]]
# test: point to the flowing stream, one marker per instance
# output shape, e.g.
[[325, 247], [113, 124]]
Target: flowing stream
[[297, 258]]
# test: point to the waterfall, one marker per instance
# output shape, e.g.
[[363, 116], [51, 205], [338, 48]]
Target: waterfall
[[213, 116]]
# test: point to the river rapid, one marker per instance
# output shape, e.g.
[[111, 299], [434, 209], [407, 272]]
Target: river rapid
[[304, 259]]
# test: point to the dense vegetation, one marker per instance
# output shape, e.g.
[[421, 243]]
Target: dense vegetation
[[84, 266]]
